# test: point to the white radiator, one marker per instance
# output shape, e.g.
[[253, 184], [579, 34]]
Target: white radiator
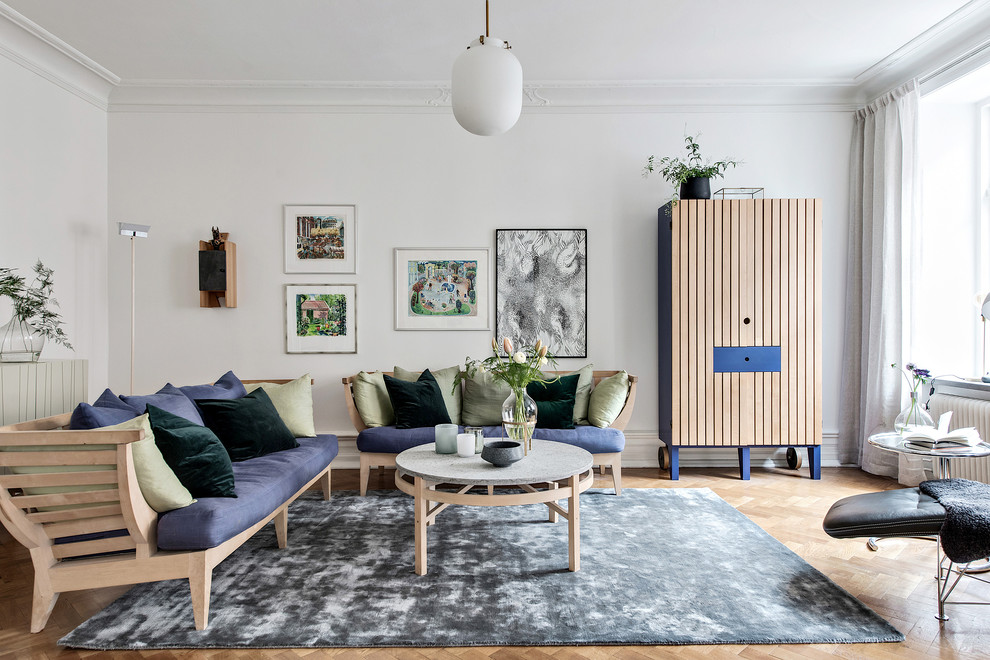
[[967, 410]]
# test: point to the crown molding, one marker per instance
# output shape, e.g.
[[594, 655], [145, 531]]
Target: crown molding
[[434, 96], [31, 46], [953, 39]]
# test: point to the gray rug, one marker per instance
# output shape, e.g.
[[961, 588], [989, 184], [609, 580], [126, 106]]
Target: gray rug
[[658, 566]]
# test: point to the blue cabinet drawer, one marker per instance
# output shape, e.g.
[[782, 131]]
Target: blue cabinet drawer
[[746, 358]]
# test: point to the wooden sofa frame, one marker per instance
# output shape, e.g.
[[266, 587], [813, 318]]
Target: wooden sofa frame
[[612, 460], [71, 566]]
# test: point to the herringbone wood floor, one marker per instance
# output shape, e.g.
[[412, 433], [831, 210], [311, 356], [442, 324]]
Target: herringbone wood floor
[[897, 582]]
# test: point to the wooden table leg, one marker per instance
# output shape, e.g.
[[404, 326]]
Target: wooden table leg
[[419, 506], [553, 514], [574, 525]]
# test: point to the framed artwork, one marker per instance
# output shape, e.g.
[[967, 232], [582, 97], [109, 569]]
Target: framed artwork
[[541, 288], [442, 289], [320, 318], [320, 239]]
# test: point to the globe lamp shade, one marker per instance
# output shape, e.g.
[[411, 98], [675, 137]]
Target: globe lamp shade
[[486, 88]]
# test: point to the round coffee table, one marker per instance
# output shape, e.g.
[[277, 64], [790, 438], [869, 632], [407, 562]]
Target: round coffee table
[[566, 471]]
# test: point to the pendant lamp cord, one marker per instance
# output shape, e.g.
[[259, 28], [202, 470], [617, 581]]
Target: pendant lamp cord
[[486, 19]]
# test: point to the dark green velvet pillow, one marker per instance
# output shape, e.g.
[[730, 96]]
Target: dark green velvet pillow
[[554, 402], [417, 404], [248, 427], [194, 453]]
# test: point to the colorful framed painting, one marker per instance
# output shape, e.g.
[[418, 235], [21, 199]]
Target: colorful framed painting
[[541, 288], [320, 318], [442, 289], [320, 239]]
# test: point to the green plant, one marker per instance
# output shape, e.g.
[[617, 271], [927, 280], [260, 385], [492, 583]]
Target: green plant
[[33, 304], [677, 170], [521, 368]]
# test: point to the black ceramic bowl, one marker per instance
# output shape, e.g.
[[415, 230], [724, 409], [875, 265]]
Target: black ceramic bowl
[[502, 453]]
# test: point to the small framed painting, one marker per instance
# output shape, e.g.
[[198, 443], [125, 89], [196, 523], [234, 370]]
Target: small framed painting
[[442, 289], [321, 239], [320, 318]]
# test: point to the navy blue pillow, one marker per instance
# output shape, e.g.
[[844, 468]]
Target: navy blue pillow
[[171, 399], [228, 386], [110, 400], [86, 416], [107, 410]]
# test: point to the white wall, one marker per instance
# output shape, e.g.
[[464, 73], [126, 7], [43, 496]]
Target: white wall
[[419, 180], [53, 204]]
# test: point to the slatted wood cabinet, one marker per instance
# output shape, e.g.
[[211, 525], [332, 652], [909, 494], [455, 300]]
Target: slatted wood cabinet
[[740, 327]]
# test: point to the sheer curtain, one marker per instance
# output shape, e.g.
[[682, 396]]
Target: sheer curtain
[[882, 229]]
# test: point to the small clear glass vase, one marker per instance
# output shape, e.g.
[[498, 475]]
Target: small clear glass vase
[[913, 416], [19, 342], [519, 418]]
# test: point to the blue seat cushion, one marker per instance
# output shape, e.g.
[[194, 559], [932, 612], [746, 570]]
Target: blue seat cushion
[[262, 484], [390, 440]]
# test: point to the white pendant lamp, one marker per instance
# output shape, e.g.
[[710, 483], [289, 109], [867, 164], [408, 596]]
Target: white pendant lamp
[[486, 86]]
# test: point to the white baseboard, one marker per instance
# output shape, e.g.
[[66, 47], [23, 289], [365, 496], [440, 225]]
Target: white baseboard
[[641, 451]]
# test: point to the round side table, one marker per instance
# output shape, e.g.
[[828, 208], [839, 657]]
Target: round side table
[[941, 458]]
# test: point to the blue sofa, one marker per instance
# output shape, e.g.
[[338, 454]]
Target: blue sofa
[[263, 485], [378, 446]]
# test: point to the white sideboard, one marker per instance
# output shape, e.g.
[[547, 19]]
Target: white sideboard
[[29, 390]]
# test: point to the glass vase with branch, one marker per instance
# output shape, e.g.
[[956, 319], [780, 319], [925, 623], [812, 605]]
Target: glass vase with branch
[[517, 369]]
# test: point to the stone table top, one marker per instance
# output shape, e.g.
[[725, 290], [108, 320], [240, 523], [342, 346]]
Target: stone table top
[[547, 461]]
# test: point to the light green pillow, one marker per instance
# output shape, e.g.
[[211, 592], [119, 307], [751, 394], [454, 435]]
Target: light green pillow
[[483, 399], [445, 379], [294, 403], [371, 399], [607, 399], [582, 396], [162, 490]]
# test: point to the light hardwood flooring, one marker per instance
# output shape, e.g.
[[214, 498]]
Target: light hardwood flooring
[[897, 582]]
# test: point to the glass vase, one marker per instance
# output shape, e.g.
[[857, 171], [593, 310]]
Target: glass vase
[[913, 416], [19, 342], [519, 418]]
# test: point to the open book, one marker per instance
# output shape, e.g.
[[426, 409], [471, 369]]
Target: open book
[[941, 437]]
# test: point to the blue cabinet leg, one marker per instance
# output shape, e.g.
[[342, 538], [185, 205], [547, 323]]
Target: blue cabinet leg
[[815, 459], [744, 463], [675, 467]]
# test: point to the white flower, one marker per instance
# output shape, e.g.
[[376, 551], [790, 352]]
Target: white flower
[[481, 368], [543, 361], [519, 358]]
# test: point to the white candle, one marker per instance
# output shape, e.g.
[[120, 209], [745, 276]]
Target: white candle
[[465, 444]]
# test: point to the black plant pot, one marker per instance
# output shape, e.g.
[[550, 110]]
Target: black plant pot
[[696, 187]]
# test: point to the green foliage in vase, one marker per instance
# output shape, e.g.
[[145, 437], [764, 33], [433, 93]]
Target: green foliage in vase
[[34, 303], [677, 170], [518, 370]]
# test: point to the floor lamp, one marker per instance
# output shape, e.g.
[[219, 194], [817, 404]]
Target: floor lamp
[[133, 231]]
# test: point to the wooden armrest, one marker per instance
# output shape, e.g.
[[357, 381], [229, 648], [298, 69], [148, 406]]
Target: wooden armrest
[[626, 413]]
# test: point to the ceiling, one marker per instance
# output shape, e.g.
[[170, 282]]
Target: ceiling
[[280, 41]]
